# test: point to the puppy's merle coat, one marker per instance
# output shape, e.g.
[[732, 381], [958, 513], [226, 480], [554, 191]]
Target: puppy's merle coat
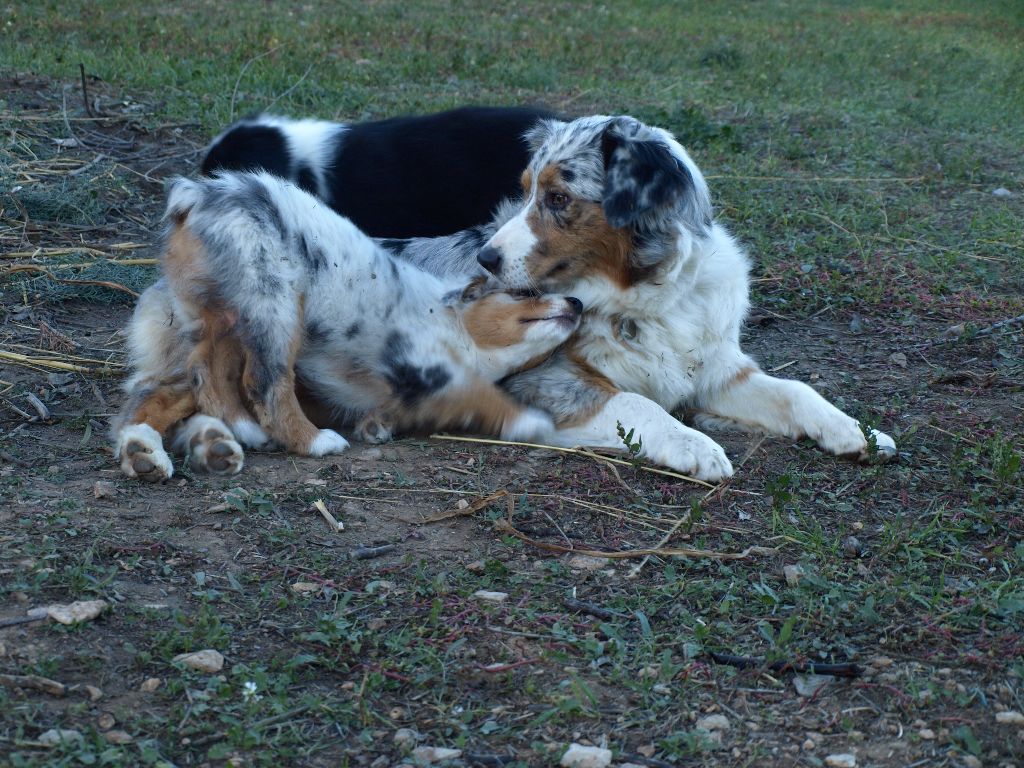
[[263, 281]]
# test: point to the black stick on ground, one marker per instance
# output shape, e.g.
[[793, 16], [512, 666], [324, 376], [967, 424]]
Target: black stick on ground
[[85, 91], [843, 669]]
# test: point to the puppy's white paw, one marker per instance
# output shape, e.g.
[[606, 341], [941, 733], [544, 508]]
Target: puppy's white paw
[[531, 424], [885, 448], [212, 447], [250, 434], [691, 453], [327, 442], [141, 453]]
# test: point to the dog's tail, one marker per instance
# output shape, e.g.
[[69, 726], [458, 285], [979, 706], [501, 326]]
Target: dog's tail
[[182, 196]]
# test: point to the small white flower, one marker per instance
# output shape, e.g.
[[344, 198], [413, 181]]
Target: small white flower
[[249, 691]]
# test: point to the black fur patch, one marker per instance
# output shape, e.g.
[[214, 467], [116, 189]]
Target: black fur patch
[[640, 177], [352, 331], [395, 246], [306, 179], [410, 383], [312, 256], [316, 333], [250, 148]]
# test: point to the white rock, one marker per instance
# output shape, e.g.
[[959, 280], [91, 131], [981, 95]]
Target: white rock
[[792, 574], [1002, 192], [586, 563], [207, 660], [434, 754], [579, 756], [55, 736], [118, 737], [406, 738], [714, 723], [927, 734], [490, 597], [150, 684], [841, 760], [104, 489], [305, 587], [76, 612], [809, 685], [1010, 718]]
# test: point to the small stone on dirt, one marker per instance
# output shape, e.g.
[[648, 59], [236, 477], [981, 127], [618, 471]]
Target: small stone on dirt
[[852, 548], [150, 684], [792, 574], [305, 587], [579, 756], [477, 566], [76, 612], [1011, 717], [406, 738], [714, 723], [434, 754], [104, 489], [490, 597], [94, 693], [841, 760], [55, 736], [809, 685], [926, 734], [898, 359], [118, 737], [970, 761], [1002, 192], [586, 563], [207, 660]]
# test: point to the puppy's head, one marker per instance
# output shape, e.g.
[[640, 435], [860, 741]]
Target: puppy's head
[[517, 331], [605, 200]]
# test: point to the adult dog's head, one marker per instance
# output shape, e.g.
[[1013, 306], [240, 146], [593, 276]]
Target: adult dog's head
[[607, 201]]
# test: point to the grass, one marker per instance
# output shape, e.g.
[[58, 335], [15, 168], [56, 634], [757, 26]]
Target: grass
[[854, 147]]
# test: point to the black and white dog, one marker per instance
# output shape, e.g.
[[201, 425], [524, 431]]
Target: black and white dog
[[417, 176]]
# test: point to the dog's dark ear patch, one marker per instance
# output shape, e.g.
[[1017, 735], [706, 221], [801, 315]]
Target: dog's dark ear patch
[[250, 148], [641, 177]]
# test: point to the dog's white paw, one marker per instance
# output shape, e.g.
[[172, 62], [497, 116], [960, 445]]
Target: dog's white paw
[[212, 447], [250, 434], [327, 442], [531, 424], [141, 453], [691, 453], [885, 448]]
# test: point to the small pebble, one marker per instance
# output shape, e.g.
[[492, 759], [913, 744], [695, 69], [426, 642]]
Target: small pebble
[[579, 756], [77, 612], [1002, 192], [434, 754], [490, 597], [841, 760], [55, 736], [1010, 718], [714, 723], [207, 660], [926, 734], [852, 547], [405, 738], [118, 737], [792, 574]]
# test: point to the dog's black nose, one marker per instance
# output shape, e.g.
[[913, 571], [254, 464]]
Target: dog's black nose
[[490, 259], [576, 304]]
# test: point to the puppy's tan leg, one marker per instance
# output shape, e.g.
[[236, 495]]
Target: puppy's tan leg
[[150, 412], [276, 406], [215, 368], [482, 407]]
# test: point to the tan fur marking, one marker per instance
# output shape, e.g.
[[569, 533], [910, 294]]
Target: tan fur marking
[[742, 375], [493, 324], [576, 241], [527, 181], [165, 407], [479, 407]]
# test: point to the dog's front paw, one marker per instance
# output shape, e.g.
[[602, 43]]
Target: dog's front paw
[[373, 428], [214, 449], [326, 442], [250, 434], [885, 448], [692, 453], [529, 425], [142, 455]]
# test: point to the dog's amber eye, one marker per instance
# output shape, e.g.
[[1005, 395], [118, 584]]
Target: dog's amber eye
[[557, 200]]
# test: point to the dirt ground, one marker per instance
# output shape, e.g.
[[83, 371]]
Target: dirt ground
[[910, 571]]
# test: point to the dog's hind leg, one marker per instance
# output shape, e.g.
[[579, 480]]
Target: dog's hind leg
[[791, 409], [479, 406], [150, 412], [271, 349]]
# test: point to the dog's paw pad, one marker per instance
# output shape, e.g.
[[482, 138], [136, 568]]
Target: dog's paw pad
[[327, 442], [142, 454], [216, 451], [373, 429]]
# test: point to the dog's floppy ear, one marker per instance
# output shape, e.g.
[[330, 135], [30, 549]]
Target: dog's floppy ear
[[477, 288], [539, 132], [643, 178]]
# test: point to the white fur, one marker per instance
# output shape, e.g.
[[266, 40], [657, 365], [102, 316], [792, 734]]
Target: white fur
[[212, 432], [530, 425], [249, 433], [685, 318], [153, 451], [327, 442]]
